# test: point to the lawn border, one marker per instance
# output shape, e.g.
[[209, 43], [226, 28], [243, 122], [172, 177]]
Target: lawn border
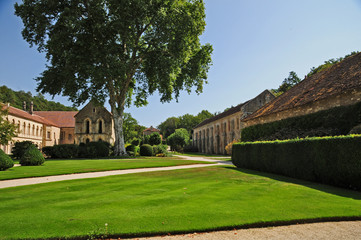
[[228, 228]]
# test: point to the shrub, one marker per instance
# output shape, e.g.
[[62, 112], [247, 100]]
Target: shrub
[[20, 148], [130, 148], [136, 142], [146, 150], [5, 161], [155, 139], [97, 149], [178, 139], [48, 151], [65, 151], [331, 122], [330, 160], [32, 157]]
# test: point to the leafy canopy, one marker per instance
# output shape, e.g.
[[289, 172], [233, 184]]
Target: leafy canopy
[[118, 48]]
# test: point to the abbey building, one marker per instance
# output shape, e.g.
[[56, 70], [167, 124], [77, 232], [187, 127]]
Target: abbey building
[[48, 128]]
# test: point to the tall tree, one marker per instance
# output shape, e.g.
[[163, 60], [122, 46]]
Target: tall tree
[[287, 83], [118, 49]]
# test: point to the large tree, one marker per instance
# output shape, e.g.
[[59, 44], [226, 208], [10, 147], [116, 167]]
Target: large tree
[[120, 50]]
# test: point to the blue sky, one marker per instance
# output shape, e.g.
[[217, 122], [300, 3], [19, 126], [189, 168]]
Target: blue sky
[[256, 44]]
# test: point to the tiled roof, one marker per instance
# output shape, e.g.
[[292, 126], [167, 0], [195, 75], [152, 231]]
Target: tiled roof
[[60, 118], [151, 129], [341, 77], [23, 114]]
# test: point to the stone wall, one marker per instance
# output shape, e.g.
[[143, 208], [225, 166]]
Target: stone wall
[[214, 136]]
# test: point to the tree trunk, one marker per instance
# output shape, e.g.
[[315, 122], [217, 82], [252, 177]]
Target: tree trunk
[[119, 148]]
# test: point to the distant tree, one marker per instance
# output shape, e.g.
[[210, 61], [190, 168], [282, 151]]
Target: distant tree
[[129, 128], [155, 139], [7, 129], [169, 126], [178, 139], [287, 83], [107, 49]]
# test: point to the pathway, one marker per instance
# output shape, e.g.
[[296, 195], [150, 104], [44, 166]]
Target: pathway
[[47, 179]]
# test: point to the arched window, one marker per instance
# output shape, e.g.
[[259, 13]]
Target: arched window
[[33, 132], [37, 131], [87, 140], [100, 126], [19, 127], [24, 128], [87, 127], [29, 129]]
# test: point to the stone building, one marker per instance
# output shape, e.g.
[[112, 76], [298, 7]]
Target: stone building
[[48, 128], [338, 85], [31, 127], [94, 123], [150, 130], [213, 134]]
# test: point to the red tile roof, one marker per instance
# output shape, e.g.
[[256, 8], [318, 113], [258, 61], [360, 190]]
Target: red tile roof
[[340, 78], [60, 118], [23, 114], [151, 129]]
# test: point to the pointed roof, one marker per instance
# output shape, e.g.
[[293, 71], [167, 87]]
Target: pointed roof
[[342, 77]]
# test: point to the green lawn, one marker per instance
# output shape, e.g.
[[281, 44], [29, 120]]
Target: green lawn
[[166, 202], [58, 167]]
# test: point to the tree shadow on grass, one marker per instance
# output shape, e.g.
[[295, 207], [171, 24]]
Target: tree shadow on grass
[[318, 186]]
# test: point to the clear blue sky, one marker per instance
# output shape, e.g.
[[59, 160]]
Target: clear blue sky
[[256, 44]]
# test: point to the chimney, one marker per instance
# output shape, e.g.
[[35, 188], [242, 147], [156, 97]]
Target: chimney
[[24, 106], [31, 108]]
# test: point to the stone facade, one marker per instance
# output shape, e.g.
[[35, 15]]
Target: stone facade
[[31, 127], [94, 123], [213, 134]]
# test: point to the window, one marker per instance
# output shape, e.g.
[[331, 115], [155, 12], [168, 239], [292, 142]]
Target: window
[[100, 126], [87, 140], [48, 135], [61, 135], [94, 110], [70, 137], [29, 129], [87, 126]]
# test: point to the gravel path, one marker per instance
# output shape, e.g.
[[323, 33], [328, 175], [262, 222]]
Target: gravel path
[[326, 230]]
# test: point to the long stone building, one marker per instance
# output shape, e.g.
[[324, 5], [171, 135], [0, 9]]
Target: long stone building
[[48, 128], [339, 85], [213, 134]]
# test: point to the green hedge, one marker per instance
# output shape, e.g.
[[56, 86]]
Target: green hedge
[[330, 160], [5, 161], [331, 122]]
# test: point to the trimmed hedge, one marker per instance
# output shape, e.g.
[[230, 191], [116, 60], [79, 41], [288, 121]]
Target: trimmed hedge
[[146, 150], [89, 150], [331, 122], [329, 160], [20, 148], [5, 161], [32, 157]]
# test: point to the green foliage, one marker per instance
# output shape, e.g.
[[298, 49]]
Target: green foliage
[[20, 148], [131, 128], [178, 139], [155, 139], [32, 157], [131, 150], [136, 142], [136, 48], [186, 121], [16, 99], [287, 83], [330, 160], [5, 161], [328, 63], [146, 150], [94, 150], [331, 122], [7, 129], [64, 151]]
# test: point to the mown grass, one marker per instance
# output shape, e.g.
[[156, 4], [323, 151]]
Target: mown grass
[[58, 167], [166, 202]]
